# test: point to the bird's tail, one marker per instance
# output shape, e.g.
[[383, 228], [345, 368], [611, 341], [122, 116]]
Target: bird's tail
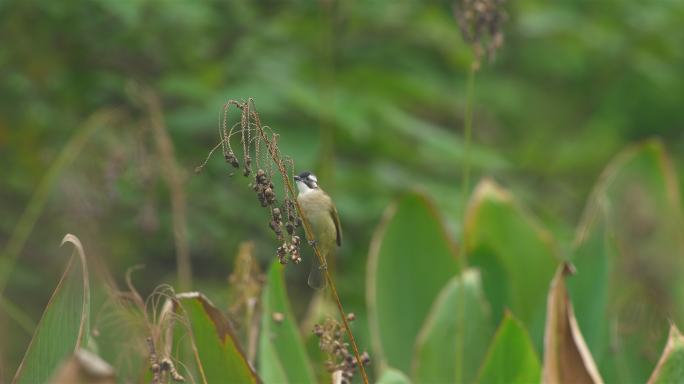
[[316, 278]]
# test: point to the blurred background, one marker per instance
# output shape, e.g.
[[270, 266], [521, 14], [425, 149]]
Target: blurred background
[[371, 96]]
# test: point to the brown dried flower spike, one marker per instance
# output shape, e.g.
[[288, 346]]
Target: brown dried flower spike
[[260, 148], [480, 23], [261, 143], [341, 362]]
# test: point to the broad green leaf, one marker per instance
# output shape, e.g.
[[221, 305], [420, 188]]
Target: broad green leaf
[[282, 356], [454, 339], [218, 356], [629, 262], [393, 376], [516, 257], [511, 357], [270, 367], [589, 287], [64, 326], [566, 356], [670, 368], [411, 259]]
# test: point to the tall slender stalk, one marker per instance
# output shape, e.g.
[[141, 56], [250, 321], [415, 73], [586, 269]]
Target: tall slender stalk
[[468, 133], [310, 237], [465, 190], [174, 180]]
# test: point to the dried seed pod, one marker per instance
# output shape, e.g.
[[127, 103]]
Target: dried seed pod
[[294, 256], [276, 215], [275, 227], [168, 366], [262, 199], [278, 317], [231, 159], [248, 166], [365, 358], [282, 250], [260, 176], [269, 195], [289, 227]]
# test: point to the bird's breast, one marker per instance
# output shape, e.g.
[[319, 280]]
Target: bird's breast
[[316, 208]]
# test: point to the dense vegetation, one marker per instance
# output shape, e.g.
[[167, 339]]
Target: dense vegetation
[[107, 107]]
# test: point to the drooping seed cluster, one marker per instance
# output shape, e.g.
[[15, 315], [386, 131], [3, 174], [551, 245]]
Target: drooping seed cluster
[[264, 189], [261, 142], [231, 159], [255, 140], [292, 249], [480, 23], [161, 367], [342, 361]]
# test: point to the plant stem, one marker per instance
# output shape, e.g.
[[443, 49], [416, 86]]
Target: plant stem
[[310, 237], [468, 130], [465, 189], [41, 194], [174, 181]]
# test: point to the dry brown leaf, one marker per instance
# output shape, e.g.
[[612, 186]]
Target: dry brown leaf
[[566, 356], [84, 367]]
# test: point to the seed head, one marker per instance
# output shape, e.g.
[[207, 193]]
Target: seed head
[[480, 22]]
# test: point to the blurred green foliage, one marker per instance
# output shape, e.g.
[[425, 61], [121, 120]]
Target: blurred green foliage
[[369, 95]]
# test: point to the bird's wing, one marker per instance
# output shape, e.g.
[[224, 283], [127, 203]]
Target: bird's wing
[[338, 227]]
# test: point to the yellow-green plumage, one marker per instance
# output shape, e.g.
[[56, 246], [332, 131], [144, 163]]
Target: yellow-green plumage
[[320, 211]]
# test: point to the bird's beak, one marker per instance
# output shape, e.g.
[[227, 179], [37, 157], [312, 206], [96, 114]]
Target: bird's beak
[[297, 178]]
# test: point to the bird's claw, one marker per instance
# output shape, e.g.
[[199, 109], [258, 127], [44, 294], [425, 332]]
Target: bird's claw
[[312, 243], [323, 267]]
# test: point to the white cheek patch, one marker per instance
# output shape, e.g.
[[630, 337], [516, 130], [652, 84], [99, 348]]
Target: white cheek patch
[[303, 188]]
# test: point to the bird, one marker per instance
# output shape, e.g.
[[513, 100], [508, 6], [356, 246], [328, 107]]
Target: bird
[[319, 210]]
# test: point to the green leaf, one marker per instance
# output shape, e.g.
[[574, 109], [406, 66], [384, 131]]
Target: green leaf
[[393, 376], [410, 260], [589, 288], [670, 368], [64, 326], [282, 356], [516, 257], [511, 357], [217, 354], [628, 266], [460, 315]]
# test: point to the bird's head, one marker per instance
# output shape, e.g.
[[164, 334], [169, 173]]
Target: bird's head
[[306, 181]]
